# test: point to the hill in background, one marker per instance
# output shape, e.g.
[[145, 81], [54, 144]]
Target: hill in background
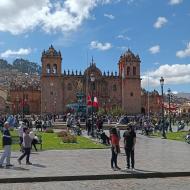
[[21, 65]]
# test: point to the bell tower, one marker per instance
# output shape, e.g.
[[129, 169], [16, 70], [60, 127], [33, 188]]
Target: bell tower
[[51, 62], [51, 82], [129, 73]]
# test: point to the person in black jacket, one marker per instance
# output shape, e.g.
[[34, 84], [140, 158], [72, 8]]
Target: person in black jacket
[[7, 141], [129, 145]]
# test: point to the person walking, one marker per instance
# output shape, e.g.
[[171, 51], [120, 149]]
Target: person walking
[[20, 134], [27, 143], [34, 139], [115, 148], [7, 141], [129, 145]]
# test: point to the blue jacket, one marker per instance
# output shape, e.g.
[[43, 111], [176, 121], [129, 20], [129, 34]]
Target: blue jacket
[[6, 137]]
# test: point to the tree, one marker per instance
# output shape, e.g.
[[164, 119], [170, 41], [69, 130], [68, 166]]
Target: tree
[[116, 111]]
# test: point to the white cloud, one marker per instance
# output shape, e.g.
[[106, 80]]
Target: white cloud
[[100, 46], [175, 2], [14, 53], [154, 49], [184, 53], [21, 16], [109, 16], [175, 92], [160, 22], [121, 36], [173, 74]]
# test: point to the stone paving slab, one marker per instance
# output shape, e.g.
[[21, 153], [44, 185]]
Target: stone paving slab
[[152, 155]]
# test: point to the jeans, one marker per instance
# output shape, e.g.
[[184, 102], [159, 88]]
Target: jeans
[[6, 154], [113, 158], [26, 153], [34, 142], [130, 157]]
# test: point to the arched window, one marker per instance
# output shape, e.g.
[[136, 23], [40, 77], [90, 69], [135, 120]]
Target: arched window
[[188, 110], [114, 87], [54, 69], [184, 111], [131, 94], [134, 71], [48, 69], [69, 86], [128, 71]]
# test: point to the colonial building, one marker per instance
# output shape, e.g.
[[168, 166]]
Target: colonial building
[[4, 103], [184, 108], [150, 102], [118, 90], [25, 99]]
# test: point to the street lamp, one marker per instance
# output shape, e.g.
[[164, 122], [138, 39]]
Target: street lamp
[[55, 106], [51, 89], [45, 107], [169, 101], [23, 88], [17, 102], [92, 79], [163, 121]]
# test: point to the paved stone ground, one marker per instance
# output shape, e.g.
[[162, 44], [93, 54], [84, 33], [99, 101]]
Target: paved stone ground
[[127, 184], [152, 155]]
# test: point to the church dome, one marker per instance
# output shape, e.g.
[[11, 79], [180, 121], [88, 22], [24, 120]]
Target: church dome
[[93, 69]]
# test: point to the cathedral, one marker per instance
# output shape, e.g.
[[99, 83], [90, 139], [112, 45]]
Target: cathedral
[[122, 89]]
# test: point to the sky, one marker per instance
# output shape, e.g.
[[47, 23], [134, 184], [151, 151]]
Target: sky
[[157, 30]]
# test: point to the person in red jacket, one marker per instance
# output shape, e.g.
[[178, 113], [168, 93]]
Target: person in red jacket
[[115, 148]]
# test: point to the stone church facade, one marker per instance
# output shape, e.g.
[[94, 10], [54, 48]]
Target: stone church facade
[[111, 89]]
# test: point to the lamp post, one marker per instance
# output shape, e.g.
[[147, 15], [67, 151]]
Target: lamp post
[[23, 88], [92, 79], [45, 107], [55, 105], [163, 121], [169, 101], [51, 98], [17, 101]]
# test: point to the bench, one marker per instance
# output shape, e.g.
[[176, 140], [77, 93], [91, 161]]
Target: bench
[[16, 140]]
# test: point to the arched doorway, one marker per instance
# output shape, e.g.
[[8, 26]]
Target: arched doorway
[[143, 110], [26, 109]]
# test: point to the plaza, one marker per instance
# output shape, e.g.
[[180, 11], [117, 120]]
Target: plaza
[[94, 95], [155, 158]]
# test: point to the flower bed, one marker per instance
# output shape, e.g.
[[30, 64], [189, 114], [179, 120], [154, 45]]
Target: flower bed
[[67, 137], [49, 131]]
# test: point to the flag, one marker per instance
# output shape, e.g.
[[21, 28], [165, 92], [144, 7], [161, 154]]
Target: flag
[[89, 101], [95, 102], [23, 102]]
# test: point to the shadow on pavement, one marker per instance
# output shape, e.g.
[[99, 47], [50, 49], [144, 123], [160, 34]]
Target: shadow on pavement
[[19, 169], [138, 171], [14, 156], [34, 153], [39, 165]]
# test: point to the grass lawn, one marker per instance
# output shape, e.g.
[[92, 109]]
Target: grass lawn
[[50, 141], [178, 136]]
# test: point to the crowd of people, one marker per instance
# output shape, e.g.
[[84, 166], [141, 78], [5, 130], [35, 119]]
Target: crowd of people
[[94, 128]]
